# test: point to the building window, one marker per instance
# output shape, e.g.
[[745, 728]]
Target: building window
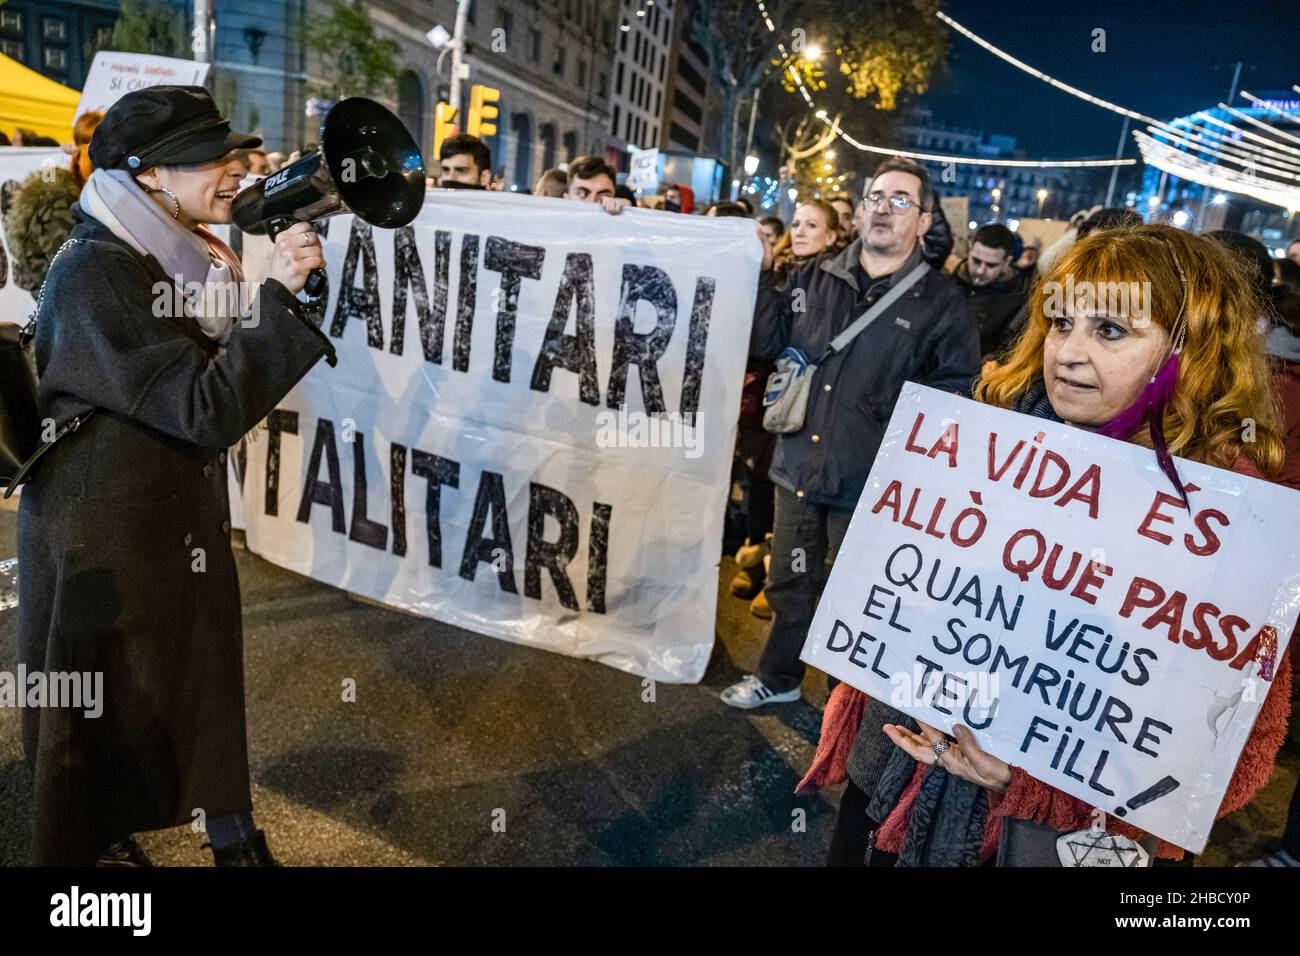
[[507, 24], [602, 89], [663, 58], [53, 30], [471, 15], [558, 65], [659, 102], [614, 126], [12, 49], [11, 21], [618, 79], [582, 73], [535, 46], [55, 59]]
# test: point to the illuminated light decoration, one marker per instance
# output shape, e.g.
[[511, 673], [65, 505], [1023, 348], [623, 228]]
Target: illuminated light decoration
[[1249, 163], [1219, 199], [1180, 219], [1179, 163], [1231, 144], [1058, 84], [1268, 105], [933, 157], [972, 225], [1021, 65], [1262, 125]]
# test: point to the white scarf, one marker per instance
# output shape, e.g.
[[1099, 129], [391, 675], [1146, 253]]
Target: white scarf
[[114, 198]]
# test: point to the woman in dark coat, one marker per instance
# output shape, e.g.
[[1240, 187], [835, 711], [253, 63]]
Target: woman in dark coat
[[124, 529]]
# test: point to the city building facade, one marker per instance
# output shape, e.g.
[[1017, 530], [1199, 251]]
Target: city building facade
[[647, 39]]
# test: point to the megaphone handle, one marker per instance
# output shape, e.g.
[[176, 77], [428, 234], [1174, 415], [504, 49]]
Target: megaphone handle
[[316, 278], [315, 283]]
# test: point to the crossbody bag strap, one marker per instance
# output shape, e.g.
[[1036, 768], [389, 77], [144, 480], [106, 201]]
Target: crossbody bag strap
[[841, 341], [25, 337]]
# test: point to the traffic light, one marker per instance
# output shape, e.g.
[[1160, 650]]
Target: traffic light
[[482, 114], [444, 126]]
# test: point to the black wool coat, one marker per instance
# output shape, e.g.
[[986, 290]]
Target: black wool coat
[[125, 565]]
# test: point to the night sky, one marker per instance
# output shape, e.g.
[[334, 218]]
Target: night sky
[[1165, 58]]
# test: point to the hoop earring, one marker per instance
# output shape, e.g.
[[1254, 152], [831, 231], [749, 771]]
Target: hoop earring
[[176, 203]]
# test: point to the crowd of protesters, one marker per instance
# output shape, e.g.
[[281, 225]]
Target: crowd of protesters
[[973, 325]]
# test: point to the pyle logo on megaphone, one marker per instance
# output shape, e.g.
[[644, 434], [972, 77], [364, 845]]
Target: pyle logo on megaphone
[[275, 182]]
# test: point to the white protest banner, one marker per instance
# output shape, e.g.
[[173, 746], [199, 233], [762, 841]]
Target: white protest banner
[[112, 75], [1045, 587], [643, 170], [16, 164], [482, 453]]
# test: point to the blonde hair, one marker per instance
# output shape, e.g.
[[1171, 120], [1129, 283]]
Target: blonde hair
[[1224, 382]]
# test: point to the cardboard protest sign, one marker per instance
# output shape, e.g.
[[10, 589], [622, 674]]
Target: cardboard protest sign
[[113, 74], [530, 429], [1045, 587], [643, 170]]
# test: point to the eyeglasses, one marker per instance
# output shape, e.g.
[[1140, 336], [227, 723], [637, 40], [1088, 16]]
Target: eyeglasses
[[899, 204]]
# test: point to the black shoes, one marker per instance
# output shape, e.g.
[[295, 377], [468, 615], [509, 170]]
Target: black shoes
[[252, 852], [125, 852]]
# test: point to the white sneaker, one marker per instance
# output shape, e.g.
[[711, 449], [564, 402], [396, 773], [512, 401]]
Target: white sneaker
[[752, 692]]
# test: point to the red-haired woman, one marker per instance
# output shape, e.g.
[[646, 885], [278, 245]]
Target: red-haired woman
[[1182, 383]]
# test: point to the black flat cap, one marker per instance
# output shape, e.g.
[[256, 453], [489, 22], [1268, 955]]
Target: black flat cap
[[164, 125]]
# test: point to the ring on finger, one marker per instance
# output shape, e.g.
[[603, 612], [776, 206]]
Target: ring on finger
[[940, 747]]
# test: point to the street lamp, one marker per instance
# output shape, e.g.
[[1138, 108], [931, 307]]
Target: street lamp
[[751, 164], [813, 53], [1042, 195]]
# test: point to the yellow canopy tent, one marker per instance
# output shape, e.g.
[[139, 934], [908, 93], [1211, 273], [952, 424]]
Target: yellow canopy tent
[[31, 101]]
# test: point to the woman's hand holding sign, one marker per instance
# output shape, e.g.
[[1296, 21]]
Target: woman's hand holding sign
[[963, 758]]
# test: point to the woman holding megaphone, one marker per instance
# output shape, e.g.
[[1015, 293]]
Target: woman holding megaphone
[[124, 528]]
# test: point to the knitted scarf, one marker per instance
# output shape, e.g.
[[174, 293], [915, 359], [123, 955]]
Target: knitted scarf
[[114, 198]]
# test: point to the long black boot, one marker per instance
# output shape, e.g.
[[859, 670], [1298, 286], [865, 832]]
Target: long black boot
[[251, 852]]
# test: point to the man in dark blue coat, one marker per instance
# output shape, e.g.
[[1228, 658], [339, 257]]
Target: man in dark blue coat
[[925, 336]]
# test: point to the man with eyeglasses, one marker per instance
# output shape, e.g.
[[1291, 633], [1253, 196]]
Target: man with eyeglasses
[[924, 336]]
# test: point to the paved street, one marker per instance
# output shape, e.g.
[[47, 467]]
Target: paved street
[[450, 728]]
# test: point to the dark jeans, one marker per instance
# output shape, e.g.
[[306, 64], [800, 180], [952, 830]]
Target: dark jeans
[[853, 831], [805, 539], [759, 506]]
